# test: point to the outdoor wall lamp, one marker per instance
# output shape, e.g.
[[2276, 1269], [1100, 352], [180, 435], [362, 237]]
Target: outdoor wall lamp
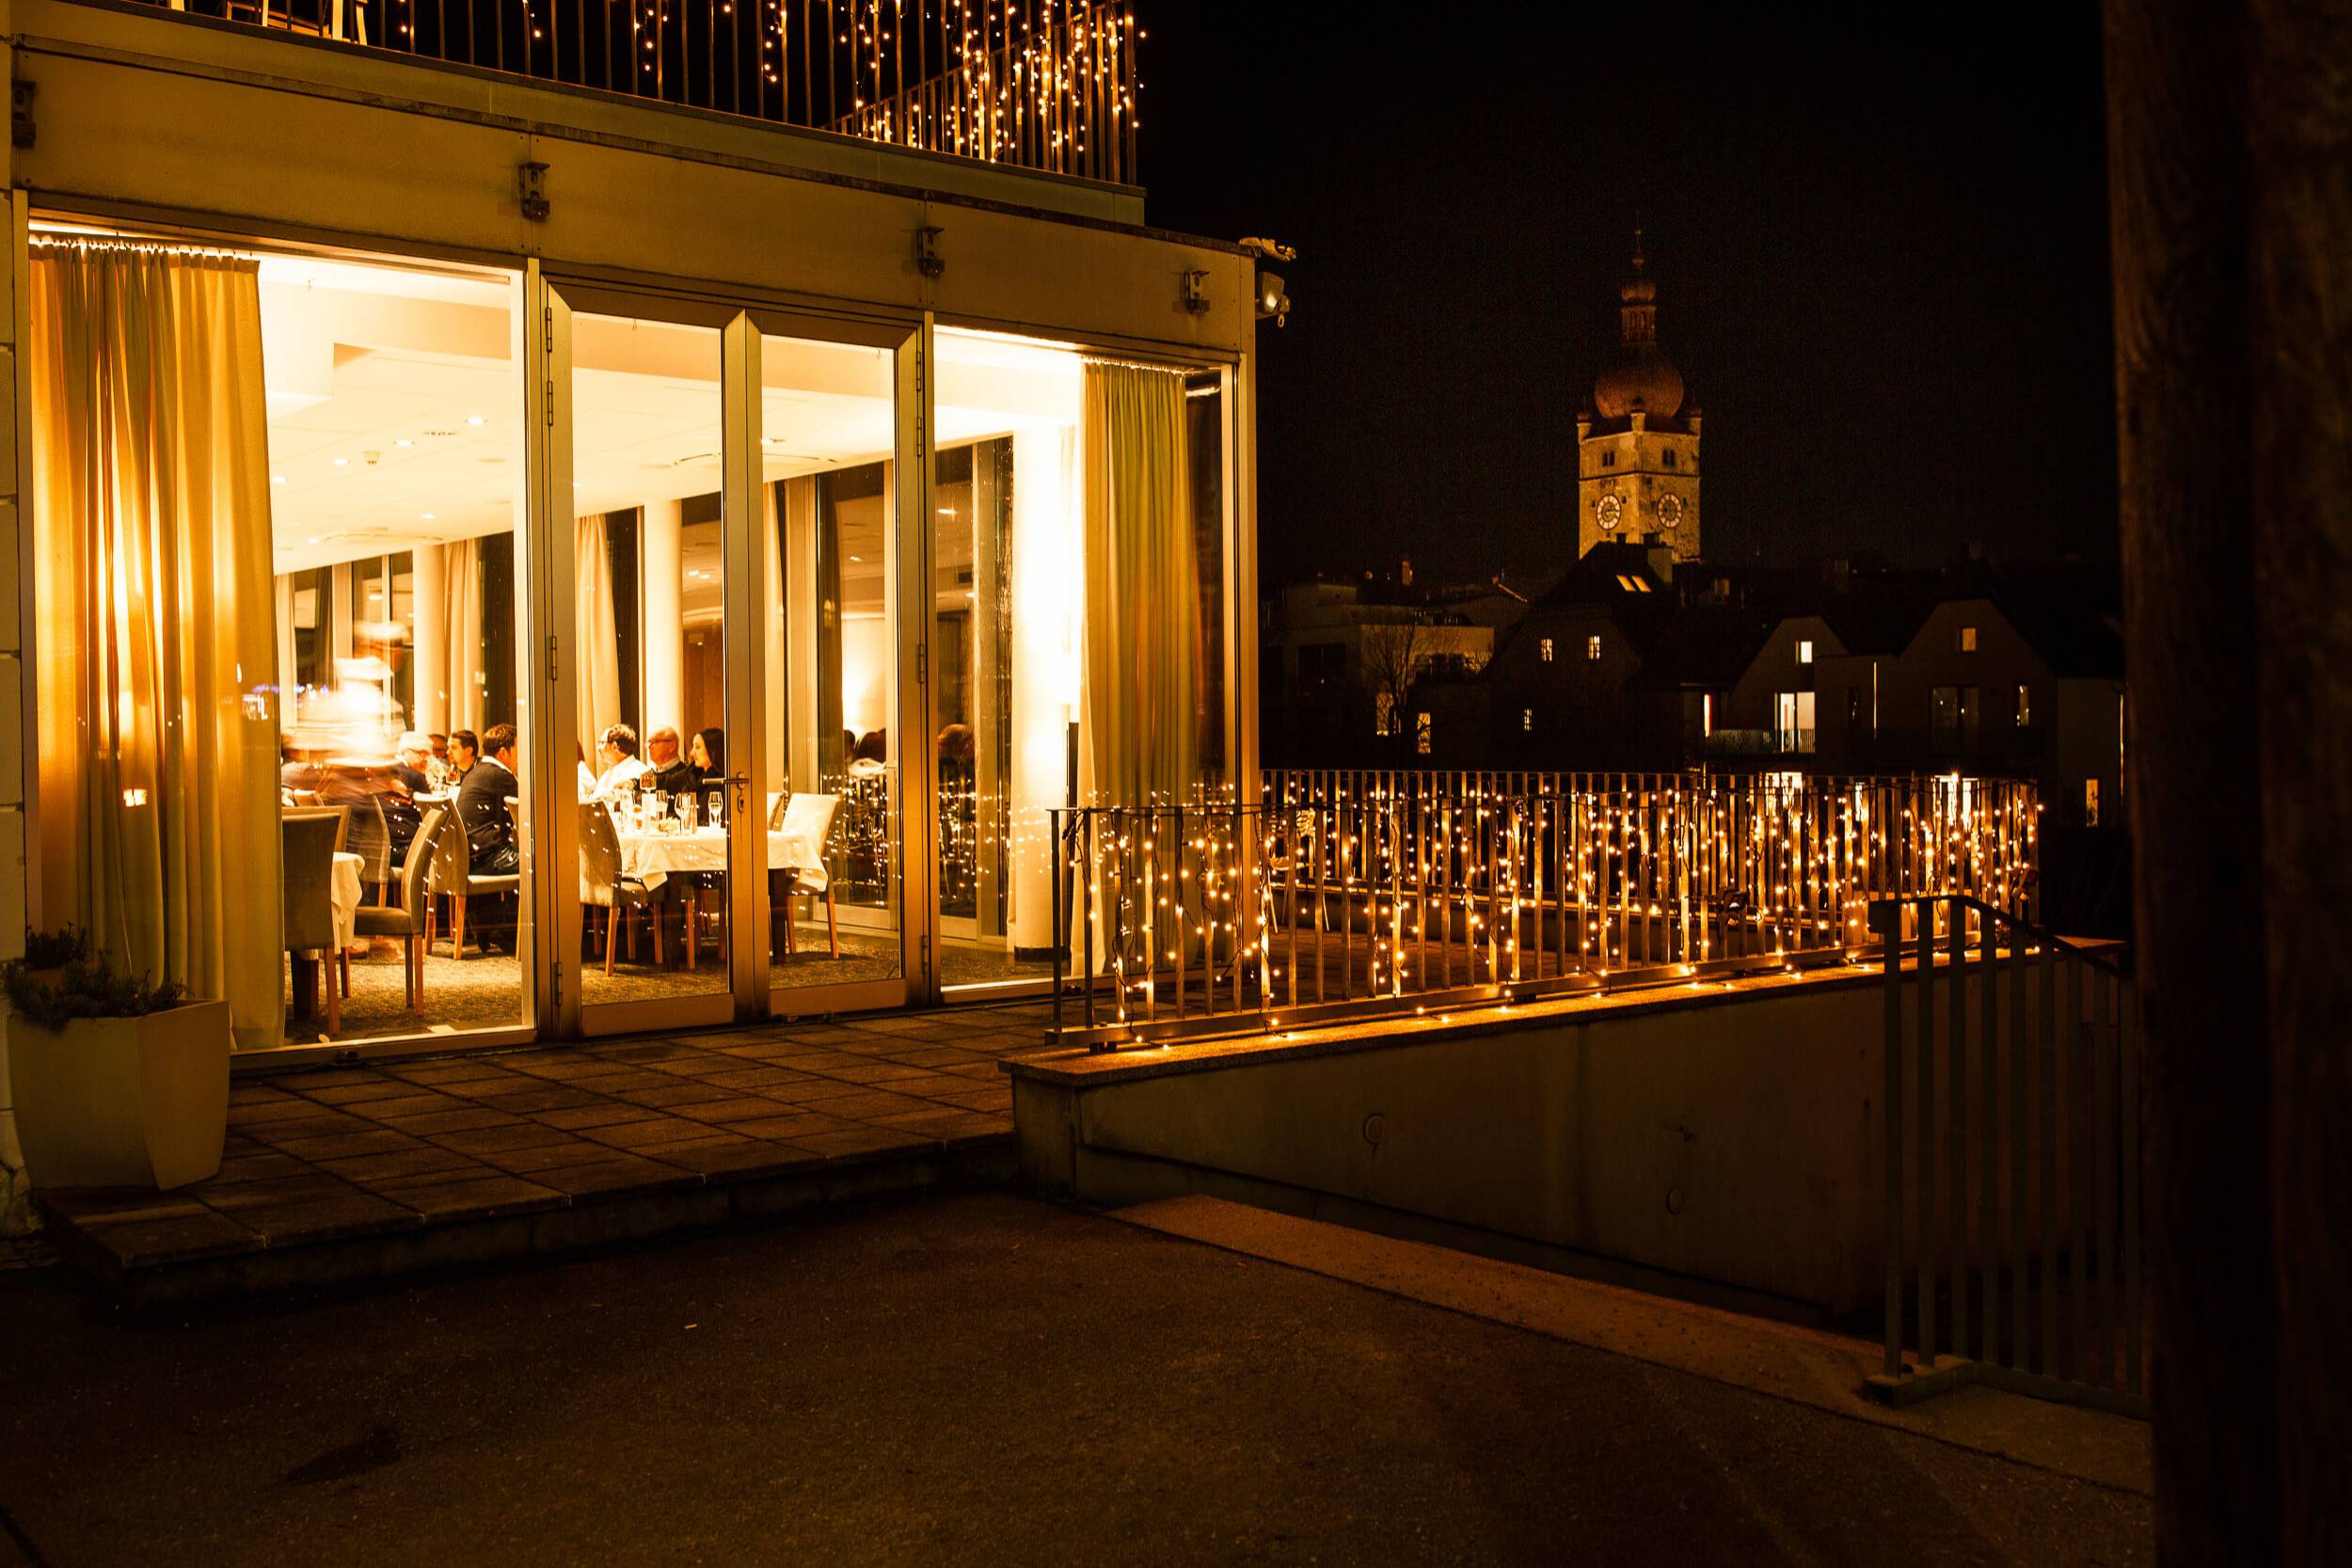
[[928, 260], [1274, 300], [1195, 296]]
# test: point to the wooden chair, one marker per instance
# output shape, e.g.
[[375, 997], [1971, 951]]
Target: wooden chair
[[602, 885], [451, 876], [806, 824], [408, 921], [308, 865]]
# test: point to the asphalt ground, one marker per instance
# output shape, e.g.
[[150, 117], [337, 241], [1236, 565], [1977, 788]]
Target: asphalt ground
[[975, 1378]]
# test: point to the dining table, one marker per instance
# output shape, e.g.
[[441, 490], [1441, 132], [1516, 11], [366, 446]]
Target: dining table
[[651, 856]]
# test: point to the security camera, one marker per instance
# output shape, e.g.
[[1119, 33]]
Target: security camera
[[1274, 300]]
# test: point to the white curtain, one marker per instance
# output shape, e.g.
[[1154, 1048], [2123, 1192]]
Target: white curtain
[[772, 646], [461, 627], [1143, 634], [600, 690], [158, 770]]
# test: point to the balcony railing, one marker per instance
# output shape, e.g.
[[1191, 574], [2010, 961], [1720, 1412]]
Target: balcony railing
[[1037, 84], [1350, 895]]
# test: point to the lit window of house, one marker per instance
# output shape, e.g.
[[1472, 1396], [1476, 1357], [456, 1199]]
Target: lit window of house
[[1967, 639], [1527, 719], [1592, 647], [1384, 713], [1543, 650], [2024, 704], [1804, 650], [1794, 711], [1707, 714], [2090, 802], [1421, 735]]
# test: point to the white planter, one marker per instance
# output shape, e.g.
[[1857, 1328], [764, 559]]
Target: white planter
[[123, 1101]]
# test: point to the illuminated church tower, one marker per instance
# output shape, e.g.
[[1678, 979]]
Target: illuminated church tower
[[1638, 445]]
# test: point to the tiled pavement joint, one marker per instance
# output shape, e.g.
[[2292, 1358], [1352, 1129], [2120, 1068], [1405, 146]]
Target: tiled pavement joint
[[345, 1176]]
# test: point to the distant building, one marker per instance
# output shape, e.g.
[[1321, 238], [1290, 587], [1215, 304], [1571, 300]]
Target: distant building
[[1347, 663]]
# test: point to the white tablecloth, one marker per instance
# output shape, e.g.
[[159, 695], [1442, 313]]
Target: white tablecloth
[[343, 892], [651, 858]]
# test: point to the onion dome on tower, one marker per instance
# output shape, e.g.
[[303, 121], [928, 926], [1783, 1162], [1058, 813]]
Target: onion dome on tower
[[1642, 380]]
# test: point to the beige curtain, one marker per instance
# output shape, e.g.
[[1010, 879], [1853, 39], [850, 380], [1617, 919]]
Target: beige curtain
[[1143, 644], [461, 575], [158, 724], [600, 690]]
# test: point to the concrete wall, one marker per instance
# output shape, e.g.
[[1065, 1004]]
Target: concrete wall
[[1736, 1138]]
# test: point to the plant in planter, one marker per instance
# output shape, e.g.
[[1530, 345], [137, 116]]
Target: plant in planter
[[119, 1083]]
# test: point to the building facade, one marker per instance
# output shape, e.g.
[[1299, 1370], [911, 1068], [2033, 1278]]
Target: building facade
[[789, 518]]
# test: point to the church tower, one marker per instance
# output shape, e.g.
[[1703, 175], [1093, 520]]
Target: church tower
[[1637, 472]]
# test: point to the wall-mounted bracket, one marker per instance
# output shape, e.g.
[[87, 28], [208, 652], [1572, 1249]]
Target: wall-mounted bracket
[[21, 111], [1196, 293], [928, 260], [530, 188]]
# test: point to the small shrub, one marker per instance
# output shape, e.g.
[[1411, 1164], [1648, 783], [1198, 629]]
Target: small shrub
[[59, 979]]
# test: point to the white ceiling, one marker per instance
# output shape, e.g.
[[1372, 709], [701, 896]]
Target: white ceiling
[[394, 408]]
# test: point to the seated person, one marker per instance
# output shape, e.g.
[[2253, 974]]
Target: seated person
[[622, 767], [464, 750], [363, 784], [707, 753], [871, 756], [411, 754], [489, 829], [666, 771]]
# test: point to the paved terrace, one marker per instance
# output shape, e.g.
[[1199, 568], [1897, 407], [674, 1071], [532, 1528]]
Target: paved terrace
[[342, 1174]]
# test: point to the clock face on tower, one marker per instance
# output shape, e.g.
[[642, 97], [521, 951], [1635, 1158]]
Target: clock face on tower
[[1669, 511], [1607, 511]]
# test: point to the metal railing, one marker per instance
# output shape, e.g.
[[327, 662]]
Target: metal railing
[[2012, 1190], [1348, 894], [1037, 84]]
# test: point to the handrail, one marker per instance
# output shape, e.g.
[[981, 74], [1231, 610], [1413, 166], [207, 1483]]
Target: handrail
[[2119, 969]]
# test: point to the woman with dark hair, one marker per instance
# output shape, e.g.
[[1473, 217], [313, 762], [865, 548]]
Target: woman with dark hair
[[707, 751]]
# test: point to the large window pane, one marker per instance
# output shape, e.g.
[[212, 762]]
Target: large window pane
[[656, 757], [831, 729], [394, 412]]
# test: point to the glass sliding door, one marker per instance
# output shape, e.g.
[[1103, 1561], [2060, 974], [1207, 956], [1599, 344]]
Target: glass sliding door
[[655, 755], [834, 754]]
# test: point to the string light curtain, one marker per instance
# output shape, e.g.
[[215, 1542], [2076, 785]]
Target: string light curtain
[[1143, 633], [158, 766]]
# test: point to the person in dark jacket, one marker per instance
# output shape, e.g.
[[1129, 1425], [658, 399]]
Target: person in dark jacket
[[709, 756], [490, 828], [667, 772]]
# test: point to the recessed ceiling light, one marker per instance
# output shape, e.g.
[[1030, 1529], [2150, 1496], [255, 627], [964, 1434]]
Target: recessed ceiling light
[[404, 441], [278, 479], [473, 418], [313, 540], [858, 557], [431, 517], [947, 511], [343, 461]]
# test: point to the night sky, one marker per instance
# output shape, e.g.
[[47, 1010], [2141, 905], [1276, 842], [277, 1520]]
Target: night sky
[[1880, 248]]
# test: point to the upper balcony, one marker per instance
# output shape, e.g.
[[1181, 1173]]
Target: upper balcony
[[1038, 87]]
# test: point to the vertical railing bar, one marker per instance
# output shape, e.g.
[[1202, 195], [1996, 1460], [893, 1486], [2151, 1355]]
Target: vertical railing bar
[[2047, 1067], [2103, 1154], [2079, 1118], [2020, 1141], [1929, 1216], [1989, 1173], [2127, 1053], [1892, 951], [1958, 1125]]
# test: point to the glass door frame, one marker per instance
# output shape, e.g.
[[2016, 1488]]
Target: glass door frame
[[747, 997]]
